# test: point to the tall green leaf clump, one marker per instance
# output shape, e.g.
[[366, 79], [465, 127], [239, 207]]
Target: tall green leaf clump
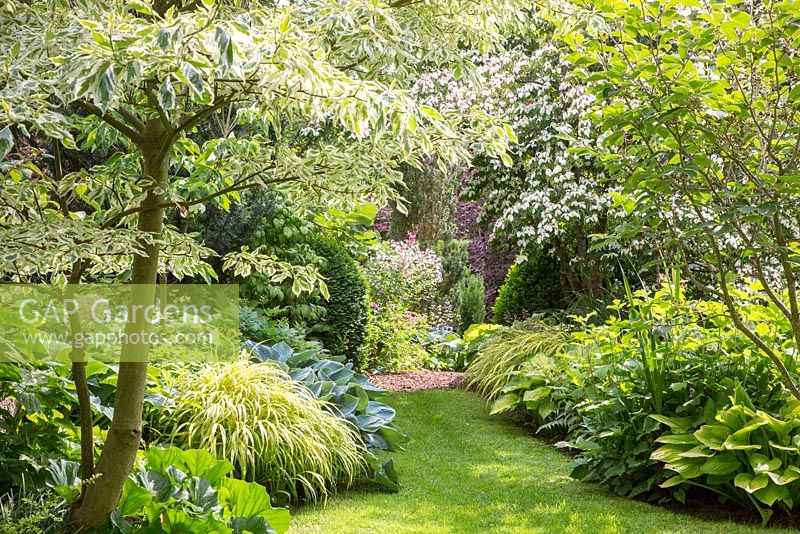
[[270, 427], [470, 305], [345, 322], [506, 350], [530, 287]]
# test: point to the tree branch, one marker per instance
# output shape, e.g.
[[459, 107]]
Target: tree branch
[[118, 125]]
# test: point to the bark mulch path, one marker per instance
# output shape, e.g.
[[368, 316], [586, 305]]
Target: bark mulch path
[[418, 380]]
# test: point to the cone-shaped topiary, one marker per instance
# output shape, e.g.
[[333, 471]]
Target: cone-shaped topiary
[[345, 320]]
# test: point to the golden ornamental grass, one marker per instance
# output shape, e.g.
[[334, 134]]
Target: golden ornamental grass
[[506, 351], [270, 427]]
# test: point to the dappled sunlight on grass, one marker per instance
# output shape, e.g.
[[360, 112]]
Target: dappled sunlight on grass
[[464, 472]]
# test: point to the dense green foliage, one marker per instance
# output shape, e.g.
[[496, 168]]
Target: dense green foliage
[[658, 358], [286, 231], [153, 143], [345, 321], [530, 287], [34, 512], [503, 351], [739, 451], [470, 304], [177, 490]]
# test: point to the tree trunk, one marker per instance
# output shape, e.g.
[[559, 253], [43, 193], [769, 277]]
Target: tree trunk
[[124, 435], [567, 273]]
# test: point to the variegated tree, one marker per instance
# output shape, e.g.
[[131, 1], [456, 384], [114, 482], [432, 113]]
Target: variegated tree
[[194, 101]]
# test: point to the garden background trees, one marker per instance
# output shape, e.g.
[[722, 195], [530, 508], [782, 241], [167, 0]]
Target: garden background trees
[[319, 101], [702, 135]]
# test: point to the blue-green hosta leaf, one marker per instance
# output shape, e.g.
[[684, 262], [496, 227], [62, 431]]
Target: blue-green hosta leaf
[[177, 521], [283, 351], [721, 464], [178, 475], [373, 440], [120, 523], [203, 496], [250, 525], [247, 499], [368, 423], [160, 486], [383, 473], [30, 401], [302, 374], [98, 406], [381, 411], [751, 483], [63, 477], [394, 437], [346, 404]]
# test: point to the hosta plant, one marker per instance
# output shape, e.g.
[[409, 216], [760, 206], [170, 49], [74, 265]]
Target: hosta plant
[[176, 491], [348, 395], [533, 387], [742, 453], [506, 350], [269, 426]]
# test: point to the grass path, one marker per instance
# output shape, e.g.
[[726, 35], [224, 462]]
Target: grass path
[[464, 472]]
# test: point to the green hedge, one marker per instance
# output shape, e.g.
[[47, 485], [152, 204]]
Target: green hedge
[[345, 321], [530, 287], [470, 302]]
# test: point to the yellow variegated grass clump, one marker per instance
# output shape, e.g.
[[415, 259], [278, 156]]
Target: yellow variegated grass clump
[[270, 427], [506, 351]]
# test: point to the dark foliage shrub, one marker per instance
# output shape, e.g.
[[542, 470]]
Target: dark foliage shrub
[[470, 306], [343, 327], [269, 221], [489, 259], [455, 265], [530, 287]]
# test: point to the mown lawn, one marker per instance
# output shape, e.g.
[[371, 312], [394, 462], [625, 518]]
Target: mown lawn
[[467, 473]]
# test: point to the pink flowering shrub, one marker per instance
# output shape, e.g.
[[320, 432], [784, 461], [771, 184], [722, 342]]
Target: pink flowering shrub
[[403, 282]]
